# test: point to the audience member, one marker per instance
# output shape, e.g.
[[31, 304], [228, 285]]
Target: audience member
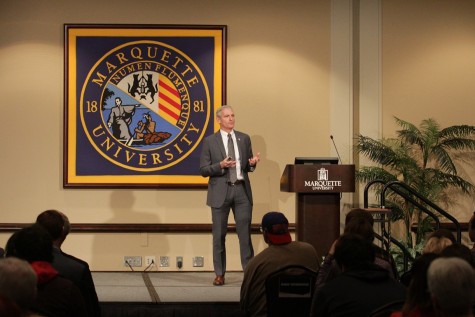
[[418, 302], [364, 228], [438, 240], [17, 284], [451, 283], [471, 232], [357, 221], [281, 252], [459, 251], [359, 213], [435, 242], [57, 296], [362, 287], [58, 226]]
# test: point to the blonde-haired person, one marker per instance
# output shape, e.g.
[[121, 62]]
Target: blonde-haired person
[[435, 243], [438, 241]]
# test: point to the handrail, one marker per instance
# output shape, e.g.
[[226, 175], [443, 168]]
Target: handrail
[[414, 202], [423, 208], [393, 186], [406, 255], [366, 190]]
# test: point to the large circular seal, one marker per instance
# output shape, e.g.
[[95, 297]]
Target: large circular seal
[[144, 106]]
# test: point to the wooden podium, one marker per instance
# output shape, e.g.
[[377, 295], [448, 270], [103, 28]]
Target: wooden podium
[[318, 189]]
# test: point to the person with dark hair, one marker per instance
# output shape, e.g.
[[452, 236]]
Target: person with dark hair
[[58, 226], [451, 283], [32, 244], [443, 233], [418, 302], [357, 221], [361, 288], [359, 213], [471, 233], [459, 251], [282, 252], [57, 296]]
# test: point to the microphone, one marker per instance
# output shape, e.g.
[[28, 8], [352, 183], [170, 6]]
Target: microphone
[[334, 145], [339, 158]]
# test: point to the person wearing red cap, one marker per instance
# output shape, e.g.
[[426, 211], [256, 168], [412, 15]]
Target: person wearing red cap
[[281, 252]]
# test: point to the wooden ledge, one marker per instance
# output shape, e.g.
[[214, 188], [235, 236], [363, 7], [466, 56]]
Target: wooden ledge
[[136, 227]]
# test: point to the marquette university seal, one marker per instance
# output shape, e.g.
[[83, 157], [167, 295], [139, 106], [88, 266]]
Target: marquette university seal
[[144, 106]]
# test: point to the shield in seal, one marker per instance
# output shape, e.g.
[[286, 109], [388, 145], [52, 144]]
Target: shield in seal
[[145, 105]]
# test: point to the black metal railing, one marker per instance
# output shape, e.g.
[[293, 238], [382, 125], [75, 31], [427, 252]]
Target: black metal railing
[[415, 198]]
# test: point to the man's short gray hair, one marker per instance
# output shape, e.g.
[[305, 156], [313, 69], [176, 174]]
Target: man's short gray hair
[[218, 112], [451, 282]]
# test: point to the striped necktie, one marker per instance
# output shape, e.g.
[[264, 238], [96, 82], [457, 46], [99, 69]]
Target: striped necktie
[[232, 170]]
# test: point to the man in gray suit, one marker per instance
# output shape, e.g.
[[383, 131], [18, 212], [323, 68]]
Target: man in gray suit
[[226, 159]]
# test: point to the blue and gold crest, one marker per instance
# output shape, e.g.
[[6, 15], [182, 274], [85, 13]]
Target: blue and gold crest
[[139, 102]]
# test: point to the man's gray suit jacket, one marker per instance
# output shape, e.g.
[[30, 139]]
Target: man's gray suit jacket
[[212, 154]]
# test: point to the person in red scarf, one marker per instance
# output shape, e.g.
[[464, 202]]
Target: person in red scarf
[[57, 296]]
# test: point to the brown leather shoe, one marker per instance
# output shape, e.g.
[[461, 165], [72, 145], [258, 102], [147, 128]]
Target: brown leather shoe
[[218, 280]]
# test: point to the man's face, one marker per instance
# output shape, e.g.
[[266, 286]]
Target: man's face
[[118, 102], [226, 120]]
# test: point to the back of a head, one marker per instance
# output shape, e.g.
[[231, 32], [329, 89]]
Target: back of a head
[[359, 213], [276, 228], [361, 226], [451, 283], [441, 232], [459, 251], [353, 251], [18, 281], [417, 293], [31, 243], [471, 228], [437, 240], [435, 244], [52, 221]]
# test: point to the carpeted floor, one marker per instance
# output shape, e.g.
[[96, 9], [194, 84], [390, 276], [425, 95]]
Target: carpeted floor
[[155, 287], [167, 294]]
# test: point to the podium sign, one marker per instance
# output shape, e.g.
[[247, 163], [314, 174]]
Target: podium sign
[[318, 178], [318, 188]]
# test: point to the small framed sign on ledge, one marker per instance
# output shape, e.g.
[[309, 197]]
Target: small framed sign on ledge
[[139, 99]]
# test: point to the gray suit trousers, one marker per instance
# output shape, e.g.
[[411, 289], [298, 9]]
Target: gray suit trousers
[[237, 201]]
